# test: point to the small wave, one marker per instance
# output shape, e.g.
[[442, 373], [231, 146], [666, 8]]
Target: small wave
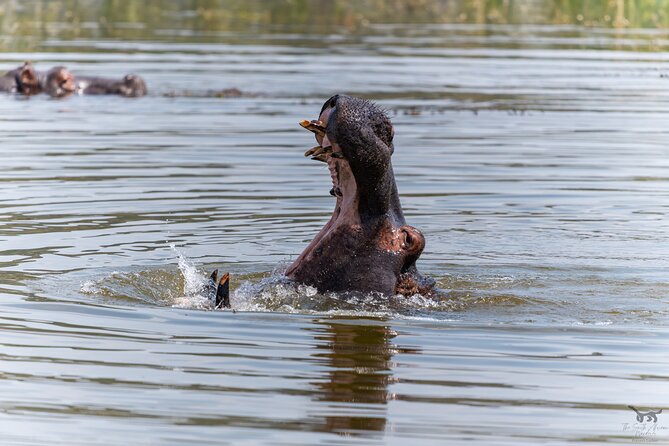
[[186, 287], [226, 93]]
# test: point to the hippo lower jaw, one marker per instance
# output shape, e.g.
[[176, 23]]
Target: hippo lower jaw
[[344, 219], [366, 245]]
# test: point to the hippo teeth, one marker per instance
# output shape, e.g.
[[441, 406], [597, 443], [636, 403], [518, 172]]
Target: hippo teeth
[[312, 151], [334, 175], [314, 126], [322, 157], [319, 153]]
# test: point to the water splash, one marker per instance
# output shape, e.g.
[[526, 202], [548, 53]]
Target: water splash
[[195, 293], [186, 286]]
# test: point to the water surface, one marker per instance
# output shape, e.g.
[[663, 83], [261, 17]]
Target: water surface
[[533, 158]]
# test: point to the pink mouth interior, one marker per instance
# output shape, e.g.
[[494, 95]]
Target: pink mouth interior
[[345, 211]]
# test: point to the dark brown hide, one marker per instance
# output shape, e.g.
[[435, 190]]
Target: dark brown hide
[[367, 245]]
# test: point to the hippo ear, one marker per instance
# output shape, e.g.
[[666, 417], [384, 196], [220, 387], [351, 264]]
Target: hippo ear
[[414, 240], [26, 76]]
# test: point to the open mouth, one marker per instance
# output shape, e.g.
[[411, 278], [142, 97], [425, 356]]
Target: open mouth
[[324, 152], [343, 187], [366, 246]]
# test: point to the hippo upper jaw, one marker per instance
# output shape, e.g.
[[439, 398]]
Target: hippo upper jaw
[[366, 245]]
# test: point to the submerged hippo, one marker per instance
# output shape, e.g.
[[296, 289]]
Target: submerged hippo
[[130, 86], [367, 245], [57, 82], [23, 80]]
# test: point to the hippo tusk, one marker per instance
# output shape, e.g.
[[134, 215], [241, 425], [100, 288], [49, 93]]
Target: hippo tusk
[[323, 157], [313, 151], [320, 151], [313, 126]]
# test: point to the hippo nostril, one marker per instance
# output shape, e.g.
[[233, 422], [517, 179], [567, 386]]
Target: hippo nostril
[[330, 103], [333, 101]]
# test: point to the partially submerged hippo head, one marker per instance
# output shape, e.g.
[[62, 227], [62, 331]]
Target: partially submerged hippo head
[[27, 80], [132, 86], [59, 82], [367, 245]]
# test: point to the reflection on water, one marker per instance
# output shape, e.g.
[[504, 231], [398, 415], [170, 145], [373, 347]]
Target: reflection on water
[[359, 357], [174, 377], [532, 157]]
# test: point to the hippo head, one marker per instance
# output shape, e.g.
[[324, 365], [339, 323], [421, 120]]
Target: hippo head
[[27, 80], [133, 86], [59, 82], [367, 245]]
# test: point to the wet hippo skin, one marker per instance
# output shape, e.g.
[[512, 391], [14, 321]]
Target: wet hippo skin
[[130, 86], [23, 79], [367, 245], [58, 82], [8, 81]]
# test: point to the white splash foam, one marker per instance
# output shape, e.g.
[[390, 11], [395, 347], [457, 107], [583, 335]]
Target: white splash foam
[[90, 287], [188, 289], [195, 283]]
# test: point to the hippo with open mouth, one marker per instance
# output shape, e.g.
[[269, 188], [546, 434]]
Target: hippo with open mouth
[[367, 245]]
